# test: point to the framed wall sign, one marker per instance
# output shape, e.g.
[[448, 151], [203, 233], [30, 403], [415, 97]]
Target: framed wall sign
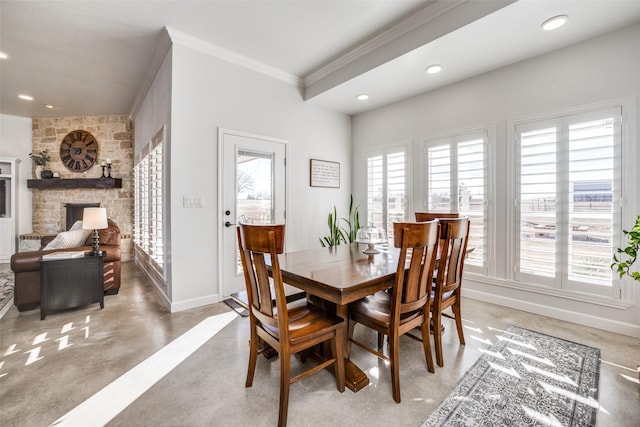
[[324, 173]]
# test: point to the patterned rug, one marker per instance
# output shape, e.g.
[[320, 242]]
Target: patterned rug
[[525, 379], [6, 292]]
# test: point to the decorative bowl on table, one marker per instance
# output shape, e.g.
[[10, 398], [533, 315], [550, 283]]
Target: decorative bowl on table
[[371, 236]]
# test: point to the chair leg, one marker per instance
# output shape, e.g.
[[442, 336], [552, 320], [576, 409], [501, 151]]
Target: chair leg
[[253, 357], [338, 353], [458, 315], [380, 340], [426, 344], [437, 338], [285, 382], [303, 355], [395, 369]]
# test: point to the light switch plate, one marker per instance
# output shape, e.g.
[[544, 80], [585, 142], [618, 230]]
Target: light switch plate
[[192, 202]]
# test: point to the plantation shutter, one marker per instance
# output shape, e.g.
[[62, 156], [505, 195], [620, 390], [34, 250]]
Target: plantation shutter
[[457, 182], [568, 201], [387, 188]]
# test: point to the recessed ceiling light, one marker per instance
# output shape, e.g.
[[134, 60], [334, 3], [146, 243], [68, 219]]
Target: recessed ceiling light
[[3, 55], [433, 69], [554, 23], [362, 97], [26, 97], [49, 106]]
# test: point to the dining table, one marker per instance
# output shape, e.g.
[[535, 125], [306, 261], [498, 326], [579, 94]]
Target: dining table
[[336, 276]]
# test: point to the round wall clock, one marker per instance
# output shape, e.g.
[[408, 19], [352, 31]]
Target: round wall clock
[[78, 150]]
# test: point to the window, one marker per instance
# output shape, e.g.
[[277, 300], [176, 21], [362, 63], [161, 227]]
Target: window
[[148, 214], [568, 200], [456, 178], [387, 188]]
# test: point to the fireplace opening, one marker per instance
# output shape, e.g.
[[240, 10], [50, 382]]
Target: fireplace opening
[[75, 211]]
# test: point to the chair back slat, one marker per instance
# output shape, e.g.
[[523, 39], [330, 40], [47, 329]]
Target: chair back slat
[[418, 246], [264, 298]]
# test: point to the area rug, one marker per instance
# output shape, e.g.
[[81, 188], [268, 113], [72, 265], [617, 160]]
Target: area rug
[[525, 378], [6, 292]]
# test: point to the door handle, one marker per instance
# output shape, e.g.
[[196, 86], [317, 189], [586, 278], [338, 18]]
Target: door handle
[[228, 224]]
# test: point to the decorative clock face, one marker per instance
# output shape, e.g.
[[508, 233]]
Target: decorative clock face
[[78, 150]]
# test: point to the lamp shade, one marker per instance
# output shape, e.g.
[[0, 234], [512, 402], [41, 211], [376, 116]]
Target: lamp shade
[[94, 218]]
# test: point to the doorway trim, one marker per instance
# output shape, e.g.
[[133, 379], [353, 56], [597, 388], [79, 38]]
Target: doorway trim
[[220, 214]]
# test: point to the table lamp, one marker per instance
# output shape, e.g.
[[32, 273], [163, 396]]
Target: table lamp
[[371, 236], [94, 219]]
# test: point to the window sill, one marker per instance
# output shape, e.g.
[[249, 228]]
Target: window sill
[[620, 304]]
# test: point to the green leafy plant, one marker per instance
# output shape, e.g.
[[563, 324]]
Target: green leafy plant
[[626, 257], [338, 234], [335, 233], [353, 223], [42, 158]]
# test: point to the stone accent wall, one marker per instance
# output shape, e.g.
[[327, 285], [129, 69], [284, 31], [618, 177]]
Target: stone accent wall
[[115, 141]]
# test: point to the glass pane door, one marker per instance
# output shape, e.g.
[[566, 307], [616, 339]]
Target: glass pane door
[[254, 188]]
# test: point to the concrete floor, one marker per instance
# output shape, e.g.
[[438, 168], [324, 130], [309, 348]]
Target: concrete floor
[[49, 367]]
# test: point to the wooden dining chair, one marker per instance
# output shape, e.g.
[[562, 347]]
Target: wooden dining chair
[[407, 306], [454, 234], [430, 216], [288, 330]]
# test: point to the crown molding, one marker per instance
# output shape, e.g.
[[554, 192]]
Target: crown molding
[[220, 52], [416, 20]]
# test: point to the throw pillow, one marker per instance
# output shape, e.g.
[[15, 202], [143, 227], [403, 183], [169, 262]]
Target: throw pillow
[[68, 239], [76, 226]]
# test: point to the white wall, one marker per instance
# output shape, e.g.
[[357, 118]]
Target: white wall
[[603, 69], [15, 141], [208, 93]]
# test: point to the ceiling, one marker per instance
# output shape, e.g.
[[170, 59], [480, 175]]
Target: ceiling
[[91, 57]]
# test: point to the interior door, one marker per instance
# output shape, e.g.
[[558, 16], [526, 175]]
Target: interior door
[[252, 189]]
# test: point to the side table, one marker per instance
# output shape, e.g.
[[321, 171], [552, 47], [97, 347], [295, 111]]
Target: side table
[[71, 282]]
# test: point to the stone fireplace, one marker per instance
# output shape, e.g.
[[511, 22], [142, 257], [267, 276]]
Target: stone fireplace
[[49, 205], [74, 211]]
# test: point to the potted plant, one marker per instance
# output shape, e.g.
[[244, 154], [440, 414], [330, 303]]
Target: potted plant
[[40, 160], [625, 257], [339, 234]]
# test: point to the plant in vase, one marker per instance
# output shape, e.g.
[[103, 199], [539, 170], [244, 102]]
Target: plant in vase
[[40, 160], [625, 257]]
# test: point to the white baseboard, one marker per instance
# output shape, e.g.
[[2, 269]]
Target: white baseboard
[[194, 303], [172, 306], [556, 313]]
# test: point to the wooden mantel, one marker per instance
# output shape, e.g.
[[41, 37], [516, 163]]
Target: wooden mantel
[[72, 183]]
